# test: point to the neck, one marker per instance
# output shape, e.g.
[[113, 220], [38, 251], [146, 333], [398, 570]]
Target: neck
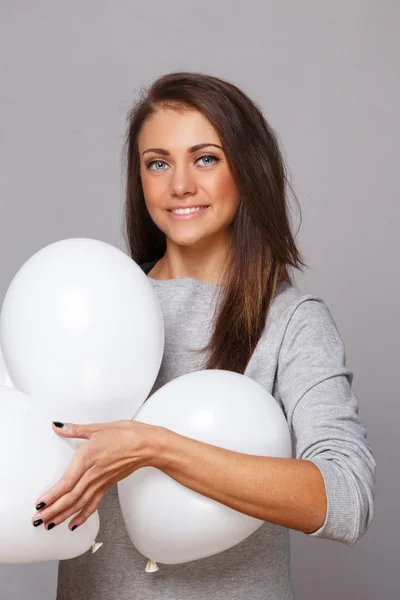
[[208, 269]]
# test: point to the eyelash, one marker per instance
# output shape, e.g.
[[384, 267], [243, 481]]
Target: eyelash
[[216, 159]]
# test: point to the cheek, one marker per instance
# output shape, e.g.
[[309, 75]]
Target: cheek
[[152, 191], [228, 193]]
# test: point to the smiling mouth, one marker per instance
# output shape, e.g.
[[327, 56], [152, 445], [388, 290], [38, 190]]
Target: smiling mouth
[[190, 214], [200, 206]]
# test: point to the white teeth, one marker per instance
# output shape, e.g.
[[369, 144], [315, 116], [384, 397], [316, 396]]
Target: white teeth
[[187, 211]]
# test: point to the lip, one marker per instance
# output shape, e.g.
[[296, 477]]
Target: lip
[[189, 216]]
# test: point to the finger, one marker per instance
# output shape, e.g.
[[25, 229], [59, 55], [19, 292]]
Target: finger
[[66, 501], [77, 467], [86, 512], [93, 494], [72, 430]]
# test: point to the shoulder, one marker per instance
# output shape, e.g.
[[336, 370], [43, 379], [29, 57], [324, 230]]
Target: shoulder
[[298, 314], [290, 299]]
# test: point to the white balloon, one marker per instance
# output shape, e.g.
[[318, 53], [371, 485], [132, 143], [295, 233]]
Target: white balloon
[[82, 331], [32, 459], [171, 524], [4, 375]]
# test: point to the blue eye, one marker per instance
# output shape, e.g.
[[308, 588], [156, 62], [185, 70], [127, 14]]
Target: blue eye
[[214, 158], [154, 162]]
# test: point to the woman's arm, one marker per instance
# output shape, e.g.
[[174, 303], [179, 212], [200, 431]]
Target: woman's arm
[[284, 491]]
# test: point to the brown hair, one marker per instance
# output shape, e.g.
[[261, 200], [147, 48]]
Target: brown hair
[[263, 245]]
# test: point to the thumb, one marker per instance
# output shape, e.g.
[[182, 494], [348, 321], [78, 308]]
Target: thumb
[[71, 430]]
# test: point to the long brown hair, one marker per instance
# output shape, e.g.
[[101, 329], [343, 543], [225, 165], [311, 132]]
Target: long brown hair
[[263, 244]]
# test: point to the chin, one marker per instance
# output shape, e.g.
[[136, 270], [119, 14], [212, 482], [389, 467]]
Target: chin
[[187, 241], [189, 238]]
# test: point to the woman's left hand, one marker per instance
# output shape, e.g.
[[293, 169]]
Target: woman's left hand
[[113, 451]]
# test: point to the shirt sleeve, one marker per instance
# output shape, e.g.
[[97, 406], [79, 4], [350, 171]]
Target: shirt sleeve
[[314, 387]]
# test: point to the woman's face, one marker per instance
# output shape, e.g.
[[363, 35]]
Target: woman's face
[[174, 175]]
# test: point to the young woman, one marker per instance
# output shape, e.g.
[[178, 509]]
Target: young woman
[[207, 219]]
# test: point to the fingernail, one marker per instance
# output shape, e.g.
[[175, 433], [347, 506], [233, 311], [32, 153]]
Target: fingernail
[[37, 522], [74, 527], [58, 424], [50, 526], [40, 505]]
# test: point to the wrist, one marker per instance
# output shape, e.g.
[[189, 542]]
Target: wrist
[[160, 440]]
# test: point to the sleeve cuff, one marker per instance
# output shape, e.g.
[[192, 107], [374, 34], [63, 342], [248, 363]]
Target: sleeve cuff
[[342, 518]]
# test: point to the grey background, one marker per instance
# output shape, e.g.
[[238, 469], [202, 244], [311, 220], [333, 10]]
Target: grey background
[[326, 76]]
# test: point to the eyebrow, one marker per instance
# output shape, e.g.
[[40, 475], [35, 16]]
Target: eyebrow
[[191, 149]]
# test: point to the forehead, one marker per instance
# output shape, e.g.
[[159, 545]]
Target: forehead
[[171, 128]]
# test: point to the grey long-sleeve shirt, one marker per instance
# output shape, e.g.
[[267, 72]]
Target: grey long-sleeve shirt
[[300, 360]]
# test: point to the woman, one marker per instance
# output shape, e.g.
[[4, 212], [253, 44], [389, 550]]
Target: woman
[[197, 142]]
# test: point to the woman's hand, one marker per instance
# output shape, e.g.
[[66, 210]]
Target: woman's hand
[[113, 451]]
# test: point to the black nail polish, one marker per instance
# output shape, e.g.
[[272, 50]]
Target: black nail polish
[[40, 505], [50, 526], [58, 424], [74, 527], [37, 522]]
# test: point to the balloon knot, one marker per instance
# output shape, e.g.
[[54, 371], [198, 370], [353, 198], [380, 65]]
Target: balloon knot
[[151, 566], [96, 546]]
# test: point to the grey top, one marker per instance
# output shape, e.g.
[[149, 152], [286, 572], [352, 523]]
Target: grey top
[[300, 360]]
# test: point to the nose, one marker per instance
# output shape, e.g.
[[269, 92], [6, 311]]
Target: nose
[[182, 181]]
